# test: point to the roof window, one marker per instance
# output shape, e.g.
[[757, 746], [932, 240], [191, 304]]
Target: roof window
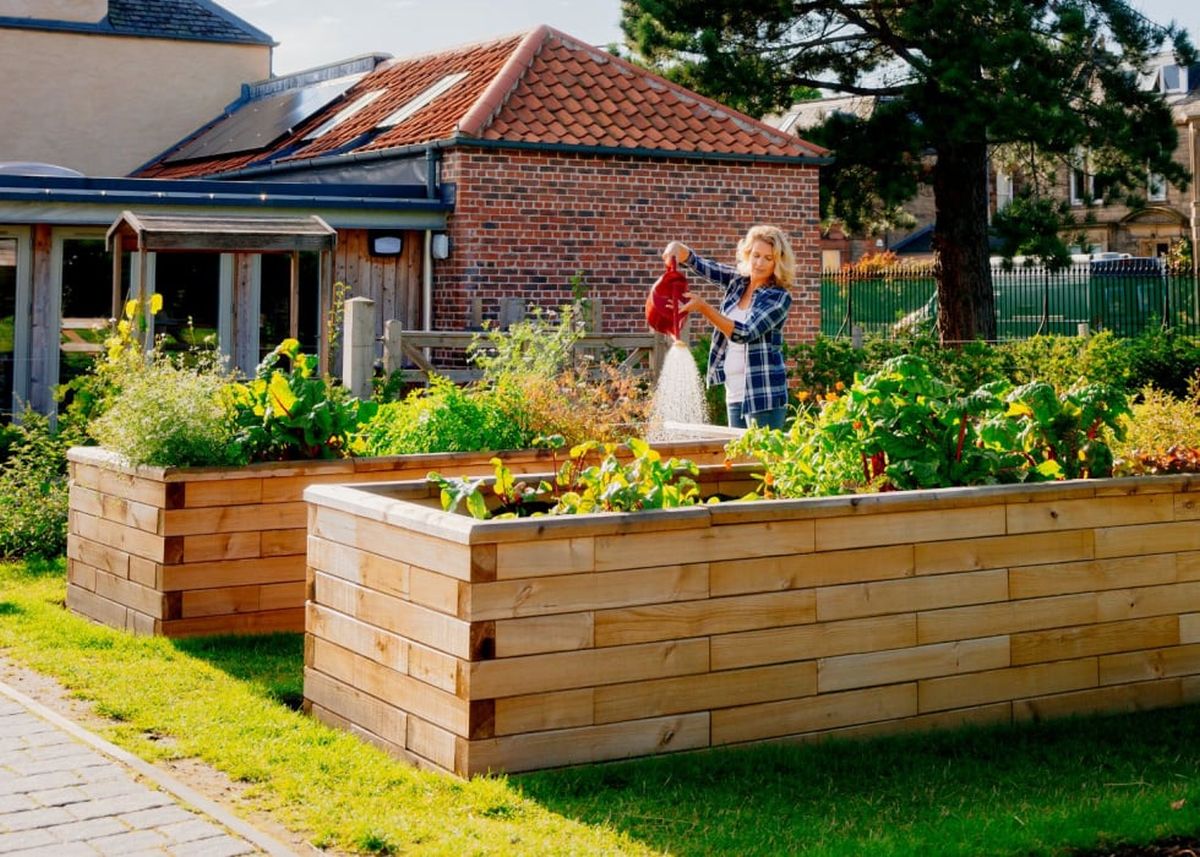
[[345, 113], [422, 99]]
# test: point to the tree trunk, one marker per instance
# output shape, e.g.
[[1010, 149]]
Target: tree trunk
[[966, 304]]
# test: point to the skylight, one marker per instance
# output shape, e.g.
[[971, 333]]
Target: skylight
[[344, 114], [422, 99]]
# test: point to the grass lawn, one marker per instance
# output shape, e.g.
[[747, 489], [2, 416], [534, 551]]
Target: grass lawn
[[1040, 790]]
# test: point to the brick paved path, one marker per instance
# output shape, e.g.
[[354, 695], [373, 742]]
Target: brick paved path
[[65, 792]]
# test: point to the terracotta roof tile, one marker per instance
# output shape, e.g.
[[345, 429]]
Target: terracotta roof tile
[[537, 87]]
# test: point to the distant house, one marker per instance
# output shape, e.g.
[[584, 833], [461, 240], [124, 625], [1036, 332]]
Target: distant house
[[456, 182], [104, 85]]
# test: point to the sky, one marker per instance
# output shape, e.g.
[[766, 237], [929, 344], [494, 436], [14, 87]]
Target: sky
[[315, 32]]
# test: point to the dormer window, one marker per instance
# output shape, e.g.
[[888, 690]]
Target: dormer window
[[1082, 184], [1173, 78], [421, 99], [345, 113]]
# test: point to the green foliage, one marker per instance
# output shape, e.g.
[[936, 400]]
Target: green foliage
[[171, 415], [538, 346], [637, 482], [445, 417], [952, 80], [1162, 434], [33, 490], [293, 414], [903, 427]]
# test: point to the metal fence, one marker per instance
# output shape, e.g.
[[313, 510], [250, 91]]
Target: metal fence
[[1126, 296]]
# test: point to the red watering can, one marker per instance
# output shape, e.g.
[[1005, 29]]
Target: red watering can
[[666, 296]]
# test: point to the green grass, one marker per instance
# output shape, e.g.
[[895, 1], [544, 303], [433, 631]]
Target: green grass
[[1046, 789]]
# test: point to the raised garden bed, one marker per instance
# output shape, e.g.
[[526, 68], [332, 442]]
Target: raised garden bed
[[472, 646], [183, 551]]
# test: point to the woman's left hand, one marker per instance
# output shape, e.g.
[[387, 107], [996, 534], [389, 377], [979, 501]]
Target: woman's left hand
[[692, 303]]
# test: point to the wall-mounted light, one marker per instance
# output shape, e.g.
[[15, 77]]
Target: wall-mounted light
[[384, 243], [439, 247]]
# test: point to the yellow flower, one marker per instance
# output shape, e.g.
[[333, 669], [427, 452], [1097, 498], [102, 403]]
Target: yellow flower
[[156, 303], [839, 386], [131, 308], [803, 395], [831, 397], [123, 327]]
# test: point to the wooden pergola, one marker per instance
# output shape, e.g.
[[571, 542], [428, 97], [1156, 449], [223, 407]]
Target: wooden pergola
[[142, 234]]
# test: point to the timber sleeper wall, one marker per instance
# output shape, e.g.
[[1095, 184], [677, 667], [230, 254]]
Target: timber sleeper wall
[[183, 551], [471, 646]]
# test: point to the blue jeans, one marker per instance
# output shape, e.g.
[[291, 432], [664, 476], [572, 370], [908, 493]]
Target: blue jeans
[[738, 418]]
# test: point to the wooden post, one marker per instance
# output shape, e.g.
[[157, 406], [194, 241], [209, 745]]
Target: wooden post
[[358, 347], [294, 297], [393, 357], [856, 337], [1083, 330], [325, 298], [117, 304]]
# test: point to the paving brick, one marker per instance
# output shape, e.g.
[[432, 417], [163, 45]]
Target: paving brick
[[35, 818], [70, 762], [17, 803], [120, 804], [58, 797], [157, 817], [115, 783], [24, 785], [190, 831], [93, 828], [18, 840], [62, 849], [221, 846], [130, 841]]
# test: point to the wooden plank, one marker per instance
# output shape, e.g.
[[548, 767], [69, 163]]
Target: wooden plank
[[81, 574], [1005, 617], [702, 618], [94, 607], [890, 528], [1034, 581], [963, 691], [127, 539], [538, 712], [258, 622], [539, 596], [430, 742], [559, 632], [232, 572], [145, 572], [911, 594], [110, 482], [335, 721], [276, 596], [1187, 508], [801, 642], [708, 691], [545, 557], [392, 541], [234, 519], [420, 624], [433, 590], [97, 555], [1090, 512], [1066, 643], [587, 744], [589, 667], [846, 672], [371, 642], [1147, 538], [221, 546], [360, 708], [284, 542], [402, 691], [707, 544], [437, 668], [812, 714], [1146, 666], [1189, 628], [216, 602], [1103, 700], [1115, 604], [230, 491], [361, 567], [769, 574], [130, 513], [1003, 551], [132, 595], [983, 715]]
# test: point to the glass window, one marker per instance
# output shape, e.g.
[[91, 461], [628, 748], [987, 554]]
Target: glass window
[[86, 303], [1156, 188], [275, 302], [190, 285], [8, 310]]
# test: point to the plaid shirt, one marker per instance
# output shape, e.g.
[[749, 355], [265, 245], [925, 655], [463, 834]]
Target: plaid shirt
[[762, 333]]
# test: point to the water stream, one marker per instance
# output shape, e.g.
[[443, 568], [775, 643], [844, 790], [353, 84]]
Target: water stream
[[679, 396]]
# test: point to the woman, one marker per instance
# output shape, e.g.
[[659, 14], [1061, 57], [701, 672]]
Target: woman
[[747, 345]]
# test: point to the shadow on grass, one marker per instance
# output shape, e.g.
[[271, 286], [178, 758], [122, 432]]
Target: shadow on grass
[[1041, 789], [272, 665]]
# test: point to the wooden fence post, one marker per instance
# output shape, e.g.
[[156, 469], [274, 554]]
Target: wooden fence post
[[393, 357], [358, 347]]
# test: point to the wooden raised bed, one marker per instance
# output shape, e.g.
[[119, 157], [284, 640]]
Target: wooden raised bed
[[182, 551], [472, 646]]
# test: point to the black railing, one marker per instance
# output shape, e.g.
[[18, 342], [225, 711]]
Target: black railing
[[1126, 296]]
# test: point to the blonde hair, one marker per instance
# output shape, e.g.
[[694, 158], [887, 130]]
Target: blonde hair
[[785, 259]]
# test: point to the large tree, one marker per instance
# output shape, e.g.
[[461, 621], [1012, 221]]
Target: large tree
[[951, 80]]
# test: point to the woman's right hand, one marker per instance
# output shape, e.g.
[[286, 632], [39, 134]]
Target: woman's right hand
[[678, 251]]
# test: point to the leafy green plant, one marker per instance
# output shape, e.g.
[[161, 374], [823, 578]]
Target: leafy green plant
[[33, 489], [1158, 423], [539, 346], [294, 414], [171, 415], [643, 481], [1061, 433]]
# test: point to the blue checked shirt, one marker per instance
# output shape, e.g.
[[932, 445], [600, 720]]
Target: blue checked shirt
[[762, 333]]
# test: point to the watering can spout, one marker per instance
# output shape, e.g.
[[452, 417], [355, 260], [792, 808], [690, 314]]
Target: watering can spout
[[663, 312]]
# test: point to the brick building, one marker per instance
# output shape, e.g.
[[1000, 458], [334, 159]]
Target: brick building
[[556, 159]]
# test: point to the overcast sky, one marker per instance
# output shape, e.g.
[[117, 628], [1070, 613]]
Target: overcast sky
[[315, 32]]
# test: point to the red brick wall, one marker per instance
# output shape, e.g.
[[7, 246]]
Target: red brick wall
[[524, 222]]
